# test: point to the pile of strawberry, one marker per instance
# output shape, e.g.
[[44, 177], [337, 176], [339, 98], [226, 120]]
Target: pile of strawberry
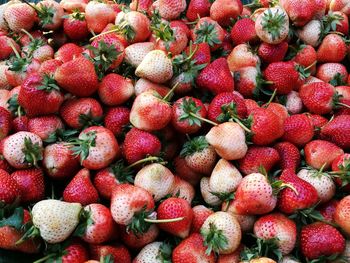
[[173, 131]]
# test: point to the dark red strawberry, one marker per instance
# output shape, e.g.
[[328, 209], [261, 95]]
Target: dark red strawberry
[[197, 8], [289, 154], [75, 26], [298, 130], [117, 119], [272, 53], [243, 31], [9, 190], [336, 131]]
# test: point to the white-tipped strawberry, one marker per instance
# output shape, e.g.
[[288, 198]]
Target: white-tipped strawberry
[[156, 252], [23, 150], [221, 233], [294, 103], [156, 67], [135, 53], [143, 85], [19, 16], [228, 140], [310, 34], [156, 179], [50, 14], [206, 193], [322, 182], [183, 189], [98, 15], [245, 221], [170, 9]]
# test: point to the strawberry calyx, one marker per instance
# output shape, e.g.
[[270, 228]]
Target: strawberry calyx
[[14, 220], [262, 248], [85, 221], [336, 101], [34, 44], [87, 120], [273, 23], [225, 198], [207, 33], [164, 253], [45, 13], [32, 152], [48, 84], [193, 146], [60, 135], [161, 30], [121, 172], [14, 106], [214, 239], [17, 63], [81, 146], [329, 23], [337, 80], [76, 15], [293, 50]]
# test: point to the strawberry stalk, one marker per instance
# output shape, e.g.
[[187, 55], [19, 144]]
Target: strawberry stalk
[[311, 65], [271, 98], [167, 96], [81, 147], [43, 259], [161, 221], [123, 28], [147, 159], [214, 239], [32, 152]]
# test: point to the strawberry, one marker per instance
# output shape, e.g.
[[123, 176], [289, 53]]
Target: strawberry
[[272, 25], [75, 26], [193, 250], [298, 130], [228, 140], [81, 112], [68, 52], [333, 73], [342, 214], [58, 162], [156, 179], [233, 257], [96, 147], [115, 89], [183, 189], [80, 189], [20, 123], [247, 81], [320, 153], [340, 167], [154, 252], [208, 197], [272, 53], [143, 5], [254, 195], [19, 68], [6, 49], [242, 56], [156, 67], [343, 91], [305, 56], [117, 119], [4, 85], [31, 184], [5, 122], [184, 172], [300, 12], [135, 53], [139, 144], [335, 130], [197, 7], [289, 155], [208, 31], [302, 196], [136, 241], [20, 16], [278, 227], [9, 190], [174, 208], [117, 252], [201, 53], [332, 49], [23, 150], [320, 239], [223, 11], [200, 214], [78, 77], [36, 89], [45, 126], [221, 233], [143, 85], [49, 14], [216, 77], [49, 67], [243, 31], [339, 5], [327, 210], [98, 15], [171, 10], [257, 157]]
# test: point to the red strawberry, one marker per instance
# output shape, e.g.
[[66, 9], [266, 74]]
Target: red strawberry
[[273, 53], [117, 119], [257, 157], [6, 49], [19, 68], [193, 250], [68, 52], [75, 26], [306, 55], [200, 214], [80, 189], [242, 56], [300, 12], [246, 81], [118, 252], [171, 10], [216, 77], [20, 124], [303, 196], [31, 184], [77, 77], [336, 130], [208, 31], [19, 16], [9, 190], [327, 210], [136, 241], [81, 112], [332, 49], [75, 252], [279, 227], [289, 154], [198, 7], [298, 130], [5, 122], [317, 121], [49, 67], [342, 214], [185, 173], [333, 73], [98, 15], [243, 31], [139, 144], [319, 153], [45, 126], [58, 162], [225, 10], [320, 239], [115, 89], [201, 53]]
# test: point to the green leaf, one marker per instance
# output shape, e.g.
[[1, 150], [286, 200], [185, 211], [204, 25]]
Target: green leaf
[[32, 151], [15, 220], [195, 145]]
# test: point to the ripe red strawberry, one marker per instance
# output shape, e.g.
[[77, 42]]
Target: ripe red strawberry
[[77, 77], [341, 165], [332, 49], [185, 173], [81, 112], [198, 7], [96, 146], [225, 10], [336, 130], [306, 55], [339, 5], [303, 196], [114, 89], [80, 189], [6, 49], [193, 250], [208, 31], [216, 77], [201, 53], [344, 91], [9, 190], [246, 81], [298, 130], [272, 53], [45, 126], [117, 119], [289, 155], [75, 26], [277, 226], [118, 252], [20, 124], [171, 10], [320, 239], [19, 68], [242, 56], [300, 12], [333, 73], [200, 214], [317, 121], [136, 241], [49, 66], [327, 210], [243, 31], [31, 184], [19, 16], [257, 157], [68, 52], [5, 122], [342, 214], [98, 15], [58, 162], [139, 144], [174, 208], [320, 153]]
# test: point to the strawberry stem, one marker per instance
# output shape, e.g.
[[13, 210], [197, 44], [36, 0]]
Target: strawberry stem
[[28, 34], [311, 65], [237, 120], [343, 104], [43, 259], [203, 119], [162, 221], [14, 49], [166, 97], [148, 159], [32, 6], [271, 98]]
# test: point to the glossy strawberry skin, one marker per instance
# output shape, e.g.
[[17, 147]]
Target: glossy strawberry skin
[[117, 119], [119, 252], [243, 31], [9, 189], [298, 130], [75, 29], [336, 130], [289, 154], [272, 53], [75, 252], [202, 54], [5, 122], [200, 7]]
